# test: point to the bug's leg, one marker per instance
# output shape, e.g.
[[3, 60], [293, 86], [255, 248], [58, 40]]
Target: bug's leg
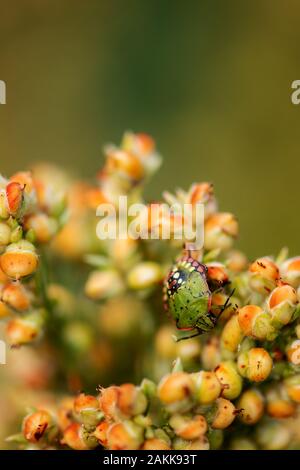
[[227, 304], [187, 336]]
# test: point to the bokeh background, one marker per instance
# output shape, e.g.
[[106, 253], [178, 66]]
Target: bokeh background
[[210, 80]]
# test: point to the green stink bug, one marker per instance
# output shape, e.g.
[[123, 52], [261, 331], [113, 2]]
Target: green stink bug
[[187, 297]]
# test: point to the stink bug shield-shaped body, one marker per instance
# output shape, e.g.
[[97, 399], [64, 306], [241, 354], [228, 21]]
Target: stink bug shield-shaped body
[[187, 296]]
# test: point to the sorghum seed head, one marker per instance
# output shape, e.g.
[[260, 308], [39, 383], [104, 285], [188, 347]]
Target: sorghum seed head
[[255, 364], [263, 327], [43, 226], [14, 195], [124, 164], [64, 413], [230, 379], [281, 409], [256, 323], [89, 438], [179, 444], [159, 433], [121, 316], [67, 242], [141, 144], [83, 402], [278, 404], [108, 401], [282, 294], [188, 350], [220, 230], [225, 414], [35, 425], [290, 271], [25, 180], [263, 275], [187, 427], [217, 306], [216, 438], [175, 387], [4, 310], [94, 197], [232, 334], [78, 336], [159, 221], [266, 267], [201, 192], [149, 388], [293, 352], [103, 284], [292, 387], [217, 273], [218, 300], [236, 261], [122, 251], [144, 275], [282, 303], [124, 436], [22, 330], [16, 296], [273, 435], [202, 443], [3, 277], [131, 400], [251, 404], [16, 234], [4, 214], [50, 185], [62, 298], [165, 345], [246, 316], [208, 387], [5, 234], [155, 444], [211, 354], [19, 260], [73, 437], [101, 433]]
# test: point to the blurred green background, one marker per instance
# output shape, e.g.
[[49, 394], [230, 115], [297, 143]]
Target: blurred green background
[[210, 80]]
